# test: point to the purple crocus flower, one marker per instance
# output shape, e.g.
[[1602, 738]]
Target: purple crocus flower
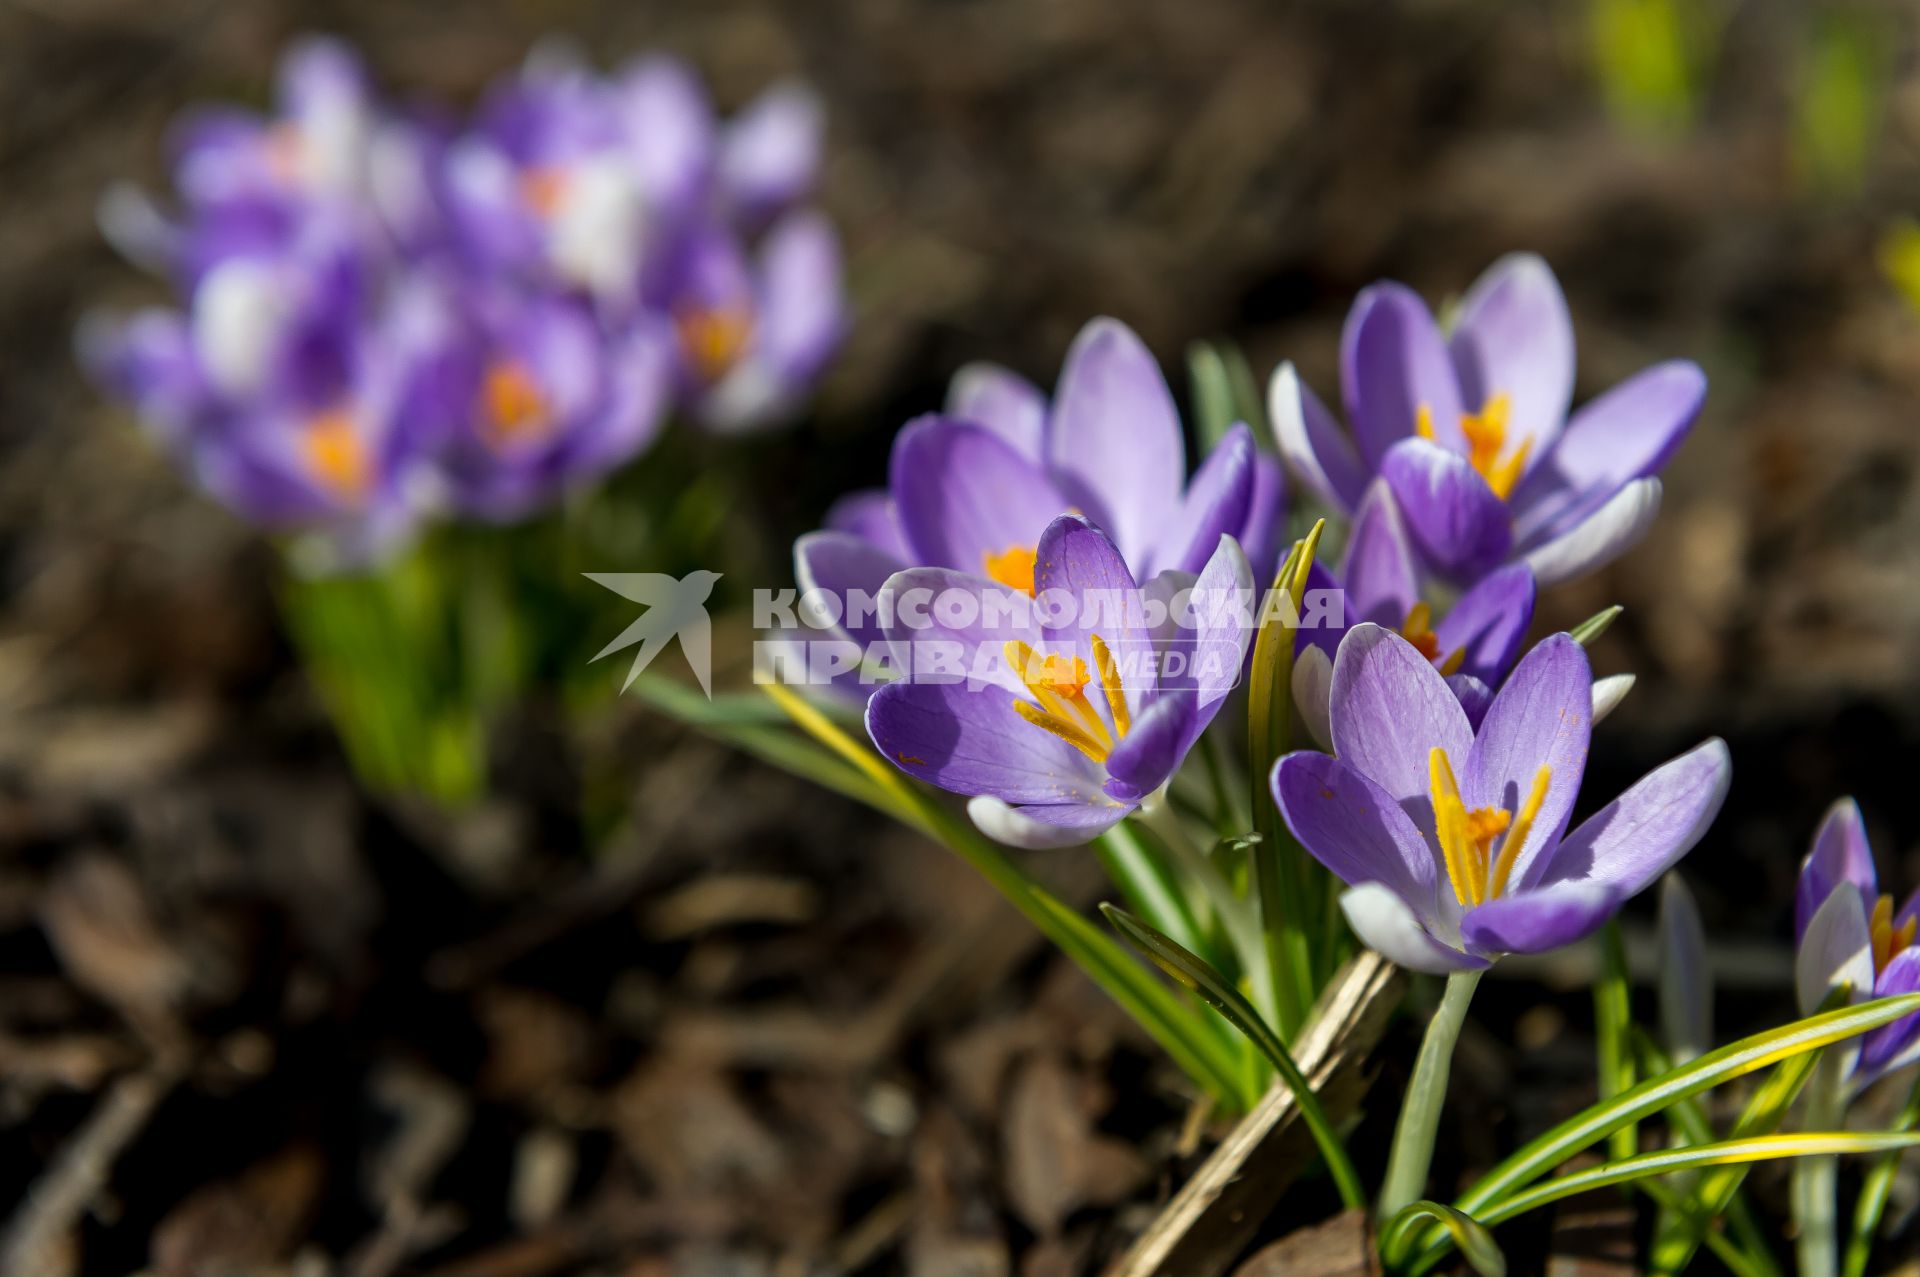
[[753, 332], [1474, 645], [1450, 838], [541, 399], [973, 488], [1472, 433], [1081, 723], [1847, 933]]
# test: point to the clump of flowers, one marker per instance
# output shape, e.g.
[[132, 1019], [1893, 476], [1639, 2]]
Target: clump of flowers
[[1046, 613], [387, 315]]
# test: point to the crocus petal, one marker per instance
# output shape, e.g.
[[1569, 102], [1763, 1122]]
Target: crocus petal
[[1152, 749], [1608, 692], [1686, 985], [1076, 564], [1896, 1045], [1355, 828], [771, 150], [1639, 835], [971, 741], [1382, 583], [1609, 532], [842, 565], [1515, 338], [1626, 434], [1836, 951], [964, 495], [1839, 854], [1391, 708], [670, 131], [1537, 921], [1215, 505], [1475, 697], [1385, 924], [803, 311], [1393, 362], [1114, 444], [1316, 449], [1266, 516], [869, 515], [1541, 717], [1457, 523], [1044, 828], [1004, 402], [952, 626], [1313, 693], [1222, 613], [1489, 623]]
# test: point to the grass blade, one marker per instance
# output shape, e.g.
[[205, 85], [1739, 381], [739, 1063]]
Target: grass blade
[[1470, 1238]]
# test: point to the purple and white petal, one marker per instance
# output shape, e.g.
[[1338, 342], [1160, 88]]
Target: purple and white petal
[[1215, 505], [1114, 446], [1457, 523], [1893, 1046], [1355, 828], [1393, 363], [1642, 833], [1489, 623], [770, 151], [1313, 693], [947, 625], [964, 495], [1608, 692], [970, 741], [1038, 828], [803, 311], [1316, 449], [1004, 402], [1382, 582], [669, 130], [1266, 517], [1385, 924], [1390, 710], [1475, 697], [1541, 717], [1840, 853], [1540, 920], [848, 569], [869, 515], [1151, 750], [1836, 951], [1515, 338], [1606, 534]]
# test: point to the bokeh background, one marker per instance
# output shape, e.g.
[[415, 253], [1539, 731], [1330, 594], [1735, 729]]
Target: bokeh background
[[757, 1031]]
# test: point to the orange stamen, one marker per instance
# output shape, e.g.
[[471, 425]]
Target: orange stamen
[[1012, 567], [338, 456]]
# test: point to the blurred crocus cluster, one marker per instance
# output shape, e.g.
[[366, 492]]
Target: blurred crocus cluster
[[388, 315]]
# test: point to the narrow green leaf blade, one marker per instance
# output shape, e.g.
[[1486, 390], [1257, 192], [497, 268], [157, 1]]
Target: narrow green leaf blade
[[1470, 1238], [1594, 626]]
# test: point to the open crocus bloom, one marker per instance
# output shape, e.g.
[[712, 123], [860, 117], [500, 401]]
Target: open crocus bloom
[[1471, 431], [1848, 933], [1076, 724], [752, 333], [1473, 646], [1450, 838], [538, 399], [973, 488]]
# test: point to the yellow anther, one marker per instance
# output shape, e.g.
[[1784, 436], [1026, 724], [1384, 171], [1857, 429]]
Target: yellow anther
[[1012, 567], [338, 456], [512, 407], [1486, 435], [1060, 727], [1418, 631], [1110, 684], [1887, 940], [1518, 831], [1449, 824], [714, 337]]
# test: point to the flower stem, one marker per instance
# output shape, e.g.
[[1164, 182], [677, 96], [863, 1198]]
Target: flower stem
[[1419, 1123], [1236, 913], [1815, 1179]]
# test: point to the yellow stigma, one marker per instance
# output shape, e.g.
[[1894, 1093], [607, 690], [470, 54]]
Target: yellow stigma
[[1418, 631], [1012, 567], [512, 408], [1887, 940], [1486, 435], [1059, 685], [1479, 873], [714, 337], [337, 456]]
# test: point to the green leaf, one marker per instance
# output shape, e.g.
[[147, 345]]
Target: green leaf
[[1594, 626], [1214, 411], [1874, 1188], [1472, 1240], [1737, 1059], [1213, 989], [1613, 1018]]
